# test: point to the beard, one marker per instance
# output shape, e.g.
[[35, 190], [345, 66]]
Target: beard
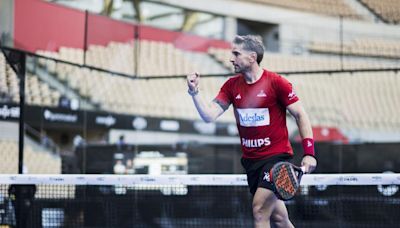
[[241, 69], [237, 69]]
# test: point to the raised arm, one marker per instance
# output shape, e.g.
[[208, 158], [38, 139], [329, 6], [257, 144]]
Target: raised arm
[[209, 111], [305, 129]]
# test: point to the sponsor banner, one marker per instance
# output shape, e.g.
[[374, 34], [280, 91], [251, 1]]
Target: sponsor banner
[[9, 112], [50, 117], [192, 179], [169, 125], [139, 123], [351, 179], [205, 128], [61, 116], [106, 120]]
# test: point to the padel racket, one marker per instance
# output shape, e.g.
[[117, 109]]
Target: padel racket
[[286, 179]]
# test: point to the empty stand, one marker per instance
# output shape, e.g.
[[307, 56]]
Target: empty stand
[[39, 93], [351, 101], [330, 100], [36, 161], [367, 47], [340, 100], [9, 83], [290, 63], [123, 95], [359, 100], [153, 58], [3, 79]]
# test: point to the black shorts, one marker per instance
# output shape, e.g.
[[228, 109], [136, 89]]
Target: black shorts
[[258, 171]]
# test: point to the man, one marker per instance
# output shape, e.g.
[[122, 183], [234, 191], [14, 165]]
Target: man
[[260, 99]]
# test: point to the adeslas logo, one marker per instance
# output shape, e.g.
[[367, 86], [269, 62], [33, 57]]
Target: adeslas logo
[[251, 118]]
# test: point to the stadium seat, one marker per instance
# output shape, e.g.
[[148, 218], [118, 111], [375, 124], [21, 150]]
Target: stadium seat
[[384, 48], [36, 161]]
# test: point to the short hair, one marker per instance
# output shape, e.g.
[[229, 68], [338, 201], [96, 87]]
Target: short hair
[[251, 43]]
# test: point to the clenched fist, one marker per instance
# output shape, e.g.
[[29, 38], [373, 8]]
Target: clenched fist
[[193, 80]]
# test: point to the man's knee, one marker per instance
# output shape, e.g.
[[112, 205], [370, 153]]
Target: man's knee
[[259, 213], [263, 205], [262, 211], [279, 219], [284, 223]]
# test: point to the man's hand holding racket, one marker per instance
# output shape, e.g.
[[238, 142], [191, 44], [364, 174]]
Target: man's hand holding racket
[[309, 163], [286, 177]]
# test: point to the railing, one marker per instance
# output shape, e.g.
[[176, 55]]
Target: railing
[[42, 139]]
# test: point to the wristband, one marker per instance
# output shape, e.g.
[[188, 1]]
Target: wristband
[[308, 146], [193, 93]]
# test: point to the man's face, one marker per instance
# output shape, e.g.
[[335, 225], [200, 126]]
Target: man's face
[[241, 59]]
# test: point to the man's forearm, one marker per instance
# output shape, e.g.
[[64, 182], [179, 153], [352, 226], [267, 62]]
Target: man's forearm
[[209, 111], [304, 125], [204, 109], [306, 133]]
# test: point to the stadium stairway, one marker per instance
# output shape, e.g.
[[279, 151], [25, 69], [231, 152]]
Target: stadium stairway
[[46, 76], [208, 62], [37, 157], [362, 10]]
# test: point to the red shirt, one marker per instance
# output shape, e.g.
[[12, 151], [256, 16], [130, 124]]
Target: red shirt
[[260, 112]]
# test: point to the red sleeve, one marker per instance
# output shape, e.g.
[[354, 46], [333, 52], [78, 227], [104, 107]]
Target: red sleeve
[[285, 91], [224, 96]]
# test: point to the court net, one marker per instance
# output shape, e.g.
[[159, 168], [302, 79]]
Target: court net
[[325, 200]]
